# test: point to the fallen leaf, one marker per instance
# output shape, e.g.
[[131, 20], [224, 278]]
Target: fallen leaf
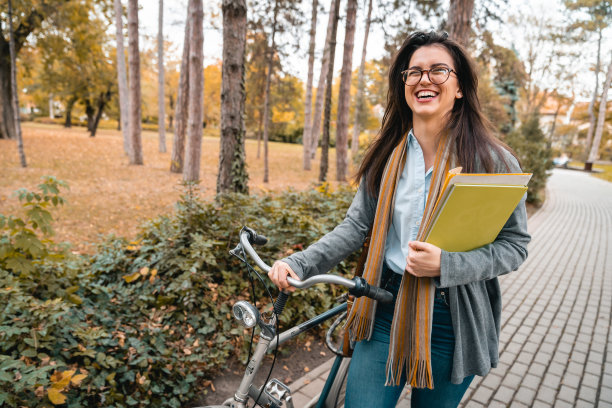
[[306, 369], [55, 396], [131, 278], [76, 380], [307, 381], [144, 271], [285, 368], [322, 353]]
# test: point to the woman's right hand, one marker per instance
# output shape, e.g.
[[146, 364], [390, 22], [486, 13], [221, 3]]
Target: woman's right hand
[[278, 275]]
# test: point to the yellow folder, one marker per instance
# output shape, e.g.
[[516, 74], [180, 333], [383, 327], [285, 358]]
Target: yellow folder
[[470, 215]]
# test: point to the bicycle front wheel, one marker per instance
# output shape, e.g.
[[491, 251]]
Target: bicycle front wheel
[[337, 392]]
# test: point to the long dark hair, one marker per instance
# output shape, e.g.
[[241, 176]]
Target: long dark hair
[[466, 124]]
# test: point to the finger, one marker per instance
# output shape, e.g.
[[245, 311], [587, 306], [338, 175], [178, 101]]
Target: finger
[[419, 246]]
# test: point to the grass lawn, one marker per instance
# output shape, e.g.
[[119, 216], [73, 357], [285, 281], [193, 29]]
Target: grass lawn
[[108, 196], [606, 169]]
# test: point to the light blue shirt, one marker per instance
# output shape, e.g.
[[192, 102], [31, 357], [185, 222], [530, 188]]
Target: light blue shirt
[[410, 198]]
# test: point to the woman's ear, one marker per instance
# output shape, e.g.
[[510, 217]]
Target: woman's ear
[[459, 94]]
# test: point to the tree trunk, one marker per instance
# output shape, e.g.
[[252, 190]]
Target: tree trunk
[[259, 133], [134, 62], [180, 114], [360, 84], [193, 151], [122, 78], [161, 100], [170, 115], [266, 118], [51, 112], [601, 117], [69, 106], [328, 93], [316, 119], [345, 93], [592, 118], [458, 20], [15, 101], [89, 112], [233, 175], [103, 100], [308, 103]]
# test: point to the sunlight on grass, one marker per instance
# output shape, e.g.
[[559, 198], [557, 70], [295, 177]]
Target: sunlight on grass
[[108, 196], [606, 169]]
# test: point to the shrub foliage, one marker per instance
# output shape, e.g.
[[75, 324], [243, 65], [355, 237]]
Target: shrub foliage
[[144, 322]]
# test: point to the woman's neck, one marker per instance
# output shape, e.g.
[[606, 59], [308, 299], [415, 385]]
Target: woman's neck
[[428, 135]]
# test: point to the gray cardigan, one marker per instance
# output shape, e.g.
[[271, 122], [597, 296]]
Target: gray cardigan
[[475, 295]]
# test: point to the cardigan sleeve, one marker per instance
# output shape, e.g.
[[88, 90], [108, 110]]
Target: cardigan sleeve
[[502, 256], [336, 245]]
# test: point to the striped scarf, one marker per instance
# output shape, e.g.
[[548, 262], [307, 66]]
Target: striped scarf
[[409, 346]]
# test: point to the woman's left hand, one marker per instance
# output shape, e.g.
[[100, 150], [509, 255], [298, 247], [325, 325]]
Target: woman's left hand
[[423, 259]]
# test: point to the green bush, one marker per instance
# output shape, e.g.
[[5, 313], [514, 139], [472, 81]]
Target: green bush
[[529, 143], [147, 322]]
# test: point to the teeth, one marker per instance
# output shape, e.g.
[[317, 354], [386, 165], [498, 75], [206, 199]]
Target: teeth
[[423, 94]]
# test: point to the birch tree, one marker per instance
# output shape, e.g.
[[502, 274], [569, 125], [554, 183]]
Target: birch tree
[[328, 94], [308, 103], [600, 120], [135, 100], [193, 149], [360, 85], [15, 99], [316, 118], [161, 99], [122, 77], [345, 93], [180, 119], [233, 175]]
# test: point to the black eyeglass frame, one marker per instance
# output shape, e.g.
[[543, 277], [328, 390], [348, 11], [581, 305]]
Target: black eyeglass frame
[[404, 72]]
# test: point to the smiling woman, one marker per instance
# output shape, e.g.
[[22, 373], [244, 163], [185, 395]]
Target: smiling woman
[[443, 327]]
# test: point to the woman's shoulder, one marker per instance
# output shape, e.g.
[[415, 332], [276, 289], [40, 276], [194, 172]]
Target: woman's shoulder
[[503, 159]]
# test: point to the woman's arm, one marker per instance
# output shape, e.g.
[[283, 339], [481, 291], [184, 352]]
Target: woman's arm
[[345, 239]]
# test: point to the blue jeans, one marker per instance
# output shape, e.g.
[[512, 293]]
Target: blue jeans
[[367, 372]]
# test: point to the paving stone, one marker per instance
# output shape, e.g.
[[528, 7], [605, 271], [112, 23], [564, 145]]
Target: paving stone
[[556, 368], [590, 380], [563, 404], [531, 346], [564, 347], [300, 400], [512, 380], [595, 356], [593, 367], [542, 357], [603, 404], [561, 357], [519, 369], [525, 396], [598, 347], [605, 394], [541, 404], [525, 358], [583, 404], [532, 381], [504, 394], [587, 393], [491, 381], [571, 380], [483, 395], [546, 393], [537, 369], [313, 388], [567, 393], [474, 404], [497, 404], [578, 357], [552, 380], [575, 368]]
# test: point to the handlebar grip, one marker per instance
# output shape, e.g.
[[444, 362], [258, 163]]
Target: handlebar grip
[[279, 305], [254, 238], [362, 288]]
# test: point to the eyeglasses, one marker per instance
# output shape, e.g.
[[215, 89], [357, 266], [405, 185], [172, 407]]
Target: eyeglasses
[[437, 75]]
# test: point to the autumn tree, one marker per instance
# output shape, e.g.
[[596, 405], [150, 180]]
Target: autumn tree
[[360, 85], [29, 16], [232, 167], [600, 120], [308, 102], [328, 93], [459, 20], [193, 149], [345, 93], [181, 113], [134, 66], [161, 102], [15, 100], [122, 76]]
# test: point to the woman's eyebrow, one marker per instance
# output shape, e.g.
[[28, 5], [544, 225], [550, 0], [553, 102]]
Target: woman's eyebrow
[[437, 64]]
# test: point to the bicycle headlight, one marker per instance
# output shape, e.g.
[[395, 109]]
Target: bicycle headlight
[[246, 313]]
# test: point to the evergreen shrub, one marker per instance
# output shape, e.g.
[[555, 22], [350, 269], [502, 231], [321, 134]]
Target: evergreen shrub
[[148, 322]]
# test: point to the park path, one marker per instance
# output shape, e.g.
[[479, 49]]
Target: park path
[[556, 338]]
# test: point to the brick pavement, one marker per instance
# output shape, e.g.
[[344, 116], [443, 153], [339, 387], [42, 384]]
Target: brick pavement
[[556, 338]]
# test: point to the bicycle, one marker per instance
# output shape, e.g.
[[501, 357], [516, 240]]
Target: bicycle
[[275, 394]]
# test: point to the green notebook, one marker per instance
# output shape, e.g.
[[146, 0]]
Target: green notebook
[[472, 215]]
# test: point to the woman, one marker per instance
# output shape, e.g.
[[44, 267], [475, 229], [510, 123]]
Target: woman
[[444, 325]]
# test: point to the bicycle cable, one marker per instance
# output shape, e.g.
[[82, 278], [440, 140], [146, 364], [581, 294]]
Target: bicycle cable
[[251, 269]]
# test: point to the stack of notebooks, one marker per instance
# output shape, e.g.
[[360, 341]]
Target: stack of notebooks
[[473, 208]]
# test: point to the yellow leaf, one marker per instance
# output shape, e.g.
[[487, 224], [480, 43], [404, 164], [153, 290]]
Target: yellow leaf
[[55, 396], [131, 278], [62, 380], [153, 272], [76, 380], [144, 271]]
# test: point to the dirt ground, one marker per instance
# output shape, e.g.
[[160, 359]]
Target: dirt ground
[[109, 196]]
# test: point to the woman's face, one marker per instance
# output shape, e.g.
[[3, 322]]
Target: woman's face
[[426, 99]]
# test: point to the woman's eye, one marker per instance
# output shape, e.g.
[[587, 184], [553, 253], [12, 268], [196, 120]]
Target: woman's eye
[[439, 71], [414, 73]]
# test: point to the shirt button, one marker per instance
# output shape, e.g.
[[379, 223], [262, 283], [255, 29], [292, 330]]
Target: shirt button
[[418, 223]]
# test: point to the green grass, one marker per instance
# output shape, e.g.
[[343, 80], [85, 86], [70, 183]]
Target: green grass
[[606, 169]]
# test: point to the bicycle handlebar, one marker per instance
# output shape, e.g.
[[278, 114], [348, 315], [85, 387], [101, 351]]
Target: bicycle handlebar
[[357, 286]]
